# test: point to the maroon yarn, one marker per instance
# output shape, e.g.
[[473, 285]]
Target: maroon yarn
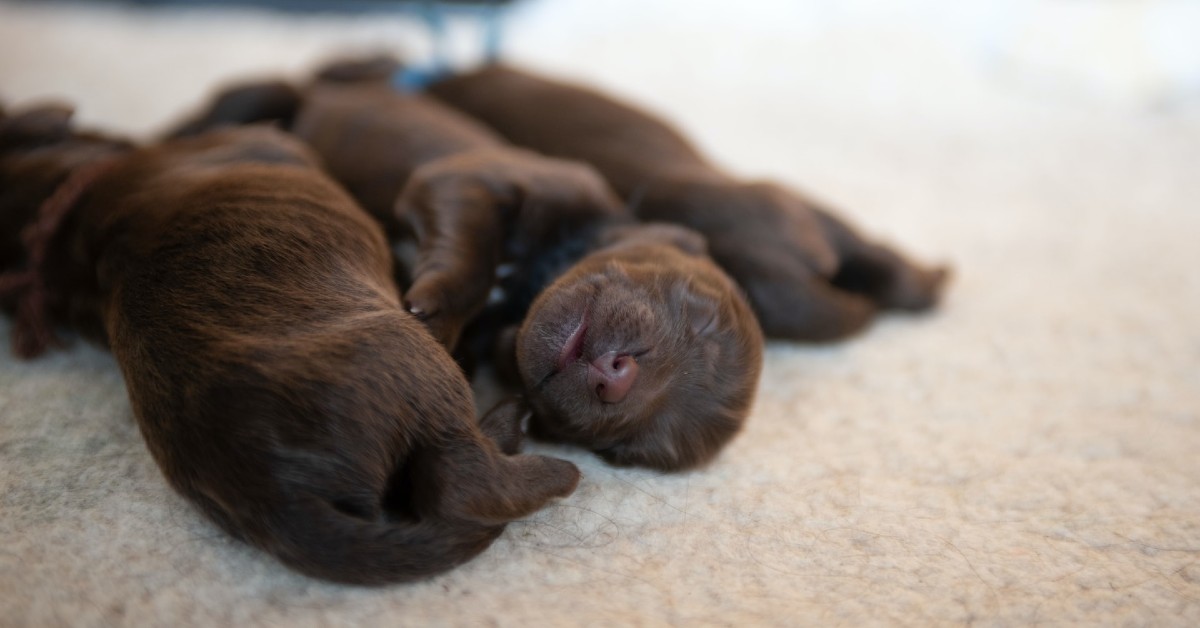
[[32, 330]]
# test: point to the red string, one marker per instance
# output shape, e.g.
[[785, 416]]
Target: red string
[[32, 330]]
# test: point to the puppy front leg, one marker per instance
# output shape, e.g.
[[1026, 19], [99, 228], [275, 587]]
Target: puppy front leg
[[457, 221], [471, 210]]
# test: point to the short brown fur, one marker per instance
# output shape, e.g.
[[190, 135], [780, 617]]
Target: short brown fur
[[276, 379], [808, 275], [473, 203]]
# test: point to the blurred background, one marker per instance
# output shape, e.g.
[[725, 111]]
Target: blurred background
[[920, 57], [858, 80], [787, 89]]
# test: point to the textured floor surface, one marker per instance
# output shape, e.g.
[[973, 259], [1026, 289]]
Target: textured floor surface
[[1028, 454]]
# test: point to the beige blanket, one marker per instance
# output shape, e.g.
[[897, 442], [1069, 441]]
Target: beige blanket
[[1030, 453]]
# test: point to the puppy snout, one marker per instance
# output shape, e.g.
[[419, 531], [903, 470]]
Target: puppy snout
[[611, 376]]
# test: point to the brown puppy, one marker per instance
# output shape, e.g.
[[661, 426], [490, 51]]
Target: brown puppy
[[809, 276], [276, 379], [639, 349], [637, 346]]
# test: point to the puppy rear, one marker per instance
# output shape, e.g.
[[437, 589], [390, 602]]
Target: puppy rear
[[276, 379]]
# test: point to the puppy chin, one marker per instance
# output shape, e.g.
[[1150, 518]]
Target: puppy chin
[[558, 313]]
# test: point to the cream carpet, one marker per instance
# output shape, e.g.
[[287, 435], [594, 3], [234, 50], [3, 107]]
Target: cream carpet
[[1028, 454]]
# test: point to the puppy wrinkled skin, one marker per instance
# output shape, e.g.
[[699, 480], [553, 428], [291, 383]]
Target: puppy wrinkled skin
[[697, 348], [478, 208], [808, 275], [276, 379]]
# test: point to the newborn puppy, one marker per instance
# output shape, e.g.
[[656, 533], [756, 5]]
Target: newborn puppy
[[809, 276], [276, 379], [646, 326], [639, 349], [637, 346]]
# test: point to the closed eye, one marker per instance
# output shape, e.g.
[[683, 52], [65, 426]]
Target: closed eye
[[708, 325], [700, 308]]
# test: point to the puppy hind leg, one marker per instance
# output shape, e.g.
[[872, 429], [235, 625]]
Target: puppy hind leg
[[880, 273], [792, 302], [820, 312]]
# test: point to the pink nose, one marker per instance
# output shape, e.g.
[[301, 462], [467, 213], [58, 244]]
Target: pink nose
[[612, 375]]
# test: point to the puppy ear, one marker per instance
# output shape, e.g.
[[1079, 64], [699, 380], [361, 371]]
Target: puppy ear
[[643, 450], [682, 238], [44, 122], [702, 312]]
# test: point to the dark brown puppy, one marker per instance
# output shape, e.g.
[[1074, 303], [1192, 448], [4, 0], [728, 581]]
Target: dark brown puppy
[[640, 348], [808, 275], [275, 377], [637, 346]]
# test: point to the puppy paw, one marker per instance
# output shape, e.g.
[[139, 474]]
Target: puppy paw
[[920, 288], [503, 424], [427, 300]]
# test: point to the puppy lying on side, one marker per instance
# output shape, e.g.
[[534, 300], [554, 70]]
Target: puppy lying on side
[[809, 276], [276, 379], [633, 343]]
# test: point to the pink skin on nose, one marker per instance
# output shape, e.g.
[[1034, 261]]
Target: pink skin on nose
[[612, 375]]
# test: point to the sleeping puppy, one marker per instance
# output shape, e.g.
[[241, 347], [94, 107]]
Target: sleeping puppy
[[809, 275], [639, 348], [631, 342], [276, 379]]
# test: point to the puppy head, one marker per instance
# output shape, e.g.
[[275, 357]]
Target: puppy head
[[644, 352]]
